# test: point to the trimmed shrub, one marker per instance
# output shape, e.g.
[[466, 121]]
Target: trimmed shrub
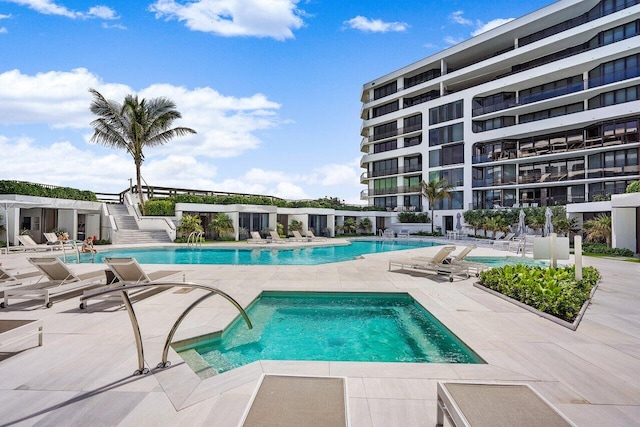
[[602, 249], [550, 290], [38, 190]]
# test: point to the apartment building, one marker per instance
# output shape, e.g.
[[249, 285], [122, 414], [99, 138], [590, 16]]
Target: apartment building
[[543, 110]]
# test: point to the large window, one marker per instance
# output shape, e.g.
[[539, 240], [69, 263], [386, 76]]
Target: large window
[[253, 221], [413, 164], [388, 202], [446, 134], [385, 109], [453, 154], [614, 97], [385, 90], [385, 146], [385, 186], [613, 163], [385, 167], [603, 190], [412, 123], [491, 124], [615, 71], [552, 112], [411, 184], [421, 78], [386, 130], [454, 177], [419, 99], [455, 202], [497, 102], [413, 140], [551, 90], [446, 112]]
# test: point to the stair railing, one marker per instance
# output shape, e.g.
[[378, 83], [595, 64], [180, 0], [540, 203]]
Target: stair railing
[[195, 238], [123, 290]]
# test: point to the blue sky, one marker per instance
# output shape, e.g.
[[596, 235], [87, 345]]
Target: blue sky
[[271, 86]]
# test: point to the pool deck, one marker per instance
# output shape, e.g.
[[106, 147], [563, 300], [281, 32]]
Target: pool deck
[[82, 373]]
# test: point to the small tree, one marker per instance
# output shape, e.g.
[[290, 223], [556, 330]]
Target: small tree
[[599, 229], [350, 226], [365, 224], [435, 191], [221, 225], [189, 224], [295, 225]]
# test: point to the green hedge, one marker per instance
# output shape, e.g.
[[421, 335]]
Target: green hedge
[[553, 291], [29, 189], [412, 217], [602, 249]]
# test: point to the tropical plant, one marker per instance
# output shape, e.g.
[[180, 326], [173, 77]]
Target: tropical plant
[[349, 225], [565, 225], [413, 218], [295, 225], [598, 229], [221, 225], [280, 229], [602, 249], [243, 233], [366, 225], [634, 187], [475, 218], [25, 232], [496, 224], [134, 125], [434, 191], [189, 224]]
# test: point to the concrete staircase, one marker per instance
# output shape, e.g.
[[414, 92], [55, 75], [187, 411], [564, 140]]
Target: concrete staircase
[[128, 231]]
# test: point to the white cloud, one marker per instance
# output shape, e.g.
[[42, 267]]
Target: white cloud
[[49, 7], [4, 16], [115, 26], [458, 19], [3, 30], [256, 18], [483, 28], [287, 190], [375, 25], [226, 125], [335, 174], [453, 40], [102, 12]]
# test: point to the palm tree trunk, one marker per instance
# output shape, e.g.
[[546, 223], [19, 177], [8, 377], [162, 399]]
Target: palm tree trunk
[[140, 195]]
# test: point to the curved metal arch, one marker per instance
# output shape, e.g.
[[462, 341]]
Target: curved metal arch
[[134, 320]]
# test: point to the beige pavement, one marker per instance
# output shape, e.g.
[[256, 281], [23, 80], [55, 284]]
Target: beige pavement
[[82, 373]]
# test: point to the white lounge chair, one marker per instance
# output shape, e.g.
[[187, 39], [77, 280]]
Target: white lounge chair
[[5, 276], [403, 233], [299, 237], [275, 237], [256, 238], [473, 266], [388, 234], [494, 404], [126, 271], [438, 263], [504, 242], [13, 331], [30, 244], [60, 281], [313, 237]]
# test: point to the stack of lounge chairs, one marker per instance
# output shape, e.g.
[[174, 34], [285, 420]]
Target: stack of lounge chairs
[[440, 263]]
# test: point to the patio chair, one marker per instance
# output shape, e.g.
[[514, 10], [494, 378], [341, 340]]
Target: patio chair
[[30, 244], [126, 271], [513, 404], [299, 237], [13, 331], [256, 238], [60, 281], [51, 237], [403, 233], [503, 243], [388, 233], [459, 259], [438, 263], [5, 276], [313, 237], [275, 237]]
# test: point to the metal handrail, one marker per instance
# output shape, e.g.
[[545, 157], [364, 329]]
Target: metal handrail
[[134, 320], [197, 238]]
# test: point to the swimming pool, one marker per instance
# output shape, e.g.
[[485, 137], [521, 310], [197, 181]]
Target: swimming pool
[[263, 255], [505, 260], [363, 327]]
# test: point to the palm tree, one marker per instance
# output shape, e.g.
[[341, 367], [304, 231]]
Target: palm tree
[[221, 225], [135, 125], [365, 224], [189, 224], [599, 229], [435, 191]]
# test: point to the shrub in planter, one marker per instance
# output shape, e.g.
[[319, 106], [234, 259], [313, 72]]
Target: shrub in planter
[[602, 249], [551, 290]]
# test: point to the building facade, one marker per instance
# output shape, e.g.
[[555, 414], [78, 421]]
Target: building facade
[[543, 110]]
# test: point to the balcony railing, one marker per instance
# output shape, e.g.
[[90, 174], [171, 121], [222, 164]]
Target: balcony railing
[[396, 171], [493, 182], [364, 177], [393, 190], [397, 132], [364, 195]]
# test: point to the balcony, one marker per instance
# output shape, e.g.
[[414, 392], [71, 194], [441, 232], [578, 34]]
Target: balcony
[[396, 171], [492, 182], [364, 177], [364, 145], [364, 195], [397, 132]]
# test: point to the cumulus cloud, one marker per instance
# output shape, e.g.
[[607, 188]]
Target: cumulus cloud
[[375, 25], [458, 19], [49, 7], [3, 30], [4, 16], [226, 125], [483, 28], [453, 40], [114, 26], [253, 18]]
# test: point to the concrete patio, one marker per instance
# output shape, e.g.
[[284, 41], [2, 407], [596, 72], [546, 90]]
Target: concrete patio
[[82, 373]]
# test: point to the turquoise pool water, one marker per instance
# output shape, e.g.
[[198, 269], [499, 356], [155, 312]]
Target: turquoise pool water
[[271, 255], [337, 327], [505, 260]]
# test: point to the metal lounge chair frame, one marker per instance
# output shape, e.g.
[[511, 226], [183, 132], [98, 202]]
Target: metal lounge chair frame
[[437, 264]]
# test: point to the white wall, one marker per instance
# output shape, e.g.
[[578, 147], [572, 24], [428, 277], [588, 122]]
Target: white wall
[[68, 219], [623, 225]]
